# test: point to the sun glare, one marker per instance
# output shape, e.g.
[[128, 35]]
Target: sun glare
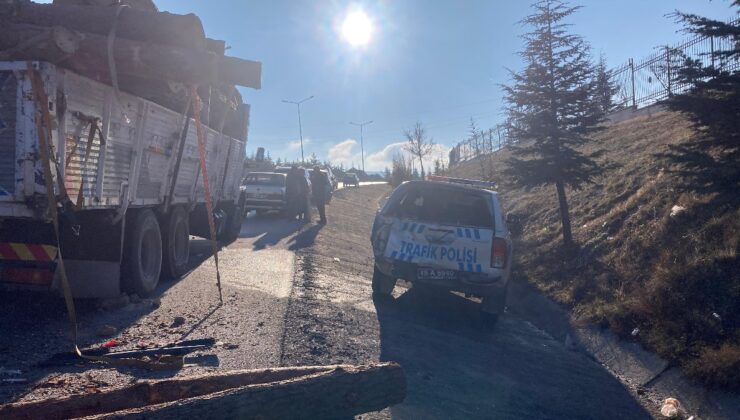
[[357, 29]]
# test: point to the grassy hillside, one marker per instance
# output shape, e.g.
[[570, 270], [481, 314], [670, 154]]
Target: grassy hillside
[[671, 279]]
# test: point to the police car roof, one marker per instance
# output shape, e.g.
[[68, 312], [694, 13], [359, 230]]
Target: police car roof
[[446, 184]]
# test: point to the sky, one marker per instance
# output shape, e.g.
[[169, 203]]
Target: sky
[[438, 62]]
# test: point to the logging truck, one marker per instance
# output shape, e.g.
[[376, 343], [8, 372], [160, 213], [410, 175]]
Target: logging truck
[[127, 184]]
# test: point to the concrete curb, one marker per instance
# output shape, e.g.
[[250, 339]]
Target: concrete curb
[[643, 372]]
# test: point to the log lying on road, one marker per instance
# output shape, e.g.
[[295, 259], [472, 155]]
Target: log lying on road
[[294, 392], [160, 27]]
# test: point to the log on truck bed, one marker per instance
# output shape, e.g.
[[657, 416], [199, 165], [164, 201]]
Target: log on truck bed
[[293, 392]]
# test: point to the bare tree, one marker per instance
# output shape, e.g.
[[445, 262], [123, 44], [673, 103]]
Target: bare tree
[[418, 144]]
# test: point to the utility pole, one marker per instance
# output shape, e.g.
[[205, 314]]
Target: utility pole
[[362, 143], [300, 128]]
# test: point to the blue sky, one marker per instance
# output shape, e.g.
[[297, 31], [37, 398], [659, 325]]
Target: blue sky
[[434, 61]]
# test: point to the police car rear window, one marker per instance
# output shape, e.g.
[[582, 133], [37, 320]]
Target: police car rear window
[[447, 206]]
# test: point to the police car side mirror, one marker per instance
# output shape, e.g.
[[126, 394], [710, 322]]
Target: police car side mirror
[[514, 223]]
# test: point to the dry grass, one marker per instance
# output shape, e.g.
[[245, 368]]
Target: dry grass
[[676, 279]]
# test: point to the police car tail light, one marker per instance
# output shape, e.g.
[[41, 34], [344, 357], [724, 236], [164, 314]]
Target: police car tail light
[[498, 253], [384, 233]]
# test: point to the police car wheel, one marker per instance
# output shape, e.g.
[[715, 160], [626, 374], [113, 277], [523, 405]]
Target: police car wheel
[[382, 283]]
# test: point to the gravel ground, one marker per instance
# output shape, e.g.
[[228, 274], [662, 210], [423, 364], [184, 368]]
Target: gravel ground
[[455, 367], [301, 295]]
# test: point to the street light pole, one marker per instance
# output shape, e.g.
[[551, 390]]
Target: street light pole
[[362, 143], [300, 127]]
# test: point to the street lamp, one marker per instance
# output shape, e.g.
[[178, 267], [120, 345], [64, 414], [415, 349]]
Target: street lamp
[[300, 129], [362, 143]]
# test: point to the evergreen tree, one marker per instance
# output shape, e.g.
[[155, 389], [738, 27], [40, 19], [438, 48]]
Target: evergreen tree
[[605, 87], [553, 107], [712, 103]]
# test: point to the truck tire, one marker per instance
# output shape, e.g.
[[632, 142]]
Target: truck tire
[[382, 284], [234, 218], [142, 259], [176, 244]]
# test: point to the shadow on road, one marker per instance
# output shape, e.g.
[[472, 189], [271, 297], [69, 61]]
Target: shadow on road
[[269, 229], [305, 239], [455, 368]]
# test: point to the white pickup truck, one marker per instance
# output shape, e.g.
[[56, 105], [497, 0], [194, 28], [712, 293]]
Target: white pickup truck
[[448, 233], [127, 177], [265, 191]]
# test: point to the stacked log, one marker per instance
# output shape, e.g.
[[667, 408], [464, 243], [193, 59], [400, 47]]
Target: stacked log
[[154, 53]]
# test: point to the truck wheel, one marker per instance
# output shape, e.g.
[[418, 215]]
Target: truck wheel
[[234, 218], [382, 284], [176, 244], [142, 259]]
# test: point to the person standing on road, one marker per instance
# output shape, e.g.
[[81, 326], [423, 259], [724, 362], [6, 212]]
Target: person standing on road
[[320, 184], [293, 192], [304, 204]]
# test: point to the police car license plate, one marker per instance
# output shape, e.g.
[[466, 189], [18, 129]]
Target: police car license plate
[[423, 273]]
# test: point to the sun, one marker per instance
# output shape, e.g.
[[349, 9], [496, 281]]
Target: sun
[[357, 28]]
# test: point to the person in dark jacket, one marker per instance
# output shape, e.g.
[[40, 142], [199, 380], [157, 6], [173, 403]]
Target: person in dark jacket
[[294, 192], [304, 204], [320, 185]]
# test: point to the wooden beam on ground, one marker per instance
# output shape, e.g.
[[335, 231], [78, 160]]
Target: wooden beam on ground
[[293, 392]]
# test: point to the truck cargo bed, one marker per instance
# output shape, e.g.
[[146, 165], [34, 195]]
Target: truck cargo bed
[[132, 164]]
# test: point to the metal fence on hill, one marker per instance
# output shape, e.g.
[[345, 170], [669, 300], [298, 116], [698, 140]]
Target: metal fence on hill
[[654, 78], [639, 84]]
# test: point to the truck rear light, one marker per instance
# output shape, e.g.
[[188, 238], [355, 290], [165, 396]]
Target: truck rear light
[[499, 249], [23, 275]]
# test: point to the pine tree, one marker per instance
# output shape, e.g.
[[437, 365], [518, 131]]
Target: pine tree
[[553, 107], [605, 87], [710, 160]]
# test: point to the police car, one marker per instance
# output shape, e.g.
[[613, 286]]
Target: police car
[[446, 232]]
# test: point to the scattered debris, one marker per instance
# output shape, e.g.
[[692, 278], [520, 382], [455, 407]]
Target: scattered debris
[[716, 315], [106, 331], [177, 322], [676, 210], [337, 259], [175, 349], [110, 343], [671, 408], [635, 332], [230, 346]]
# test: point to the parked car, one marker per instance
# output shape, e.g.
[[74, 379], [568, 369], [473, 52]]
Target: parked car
[[449, 233], [265, 191], [351, 179]]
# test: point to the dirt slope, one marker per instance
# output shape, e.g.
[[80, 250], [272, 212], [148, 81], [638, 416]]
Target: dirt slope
[[670, 281]]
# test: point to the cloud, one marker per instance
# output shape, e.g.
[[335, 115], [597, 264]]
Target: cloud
[[296, 144], [383, 158], [343, 153], [348, 152]]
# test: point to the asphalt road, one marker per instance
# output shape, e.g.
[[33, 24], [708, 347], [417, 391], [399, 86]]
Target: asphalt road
[[300, 294]]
